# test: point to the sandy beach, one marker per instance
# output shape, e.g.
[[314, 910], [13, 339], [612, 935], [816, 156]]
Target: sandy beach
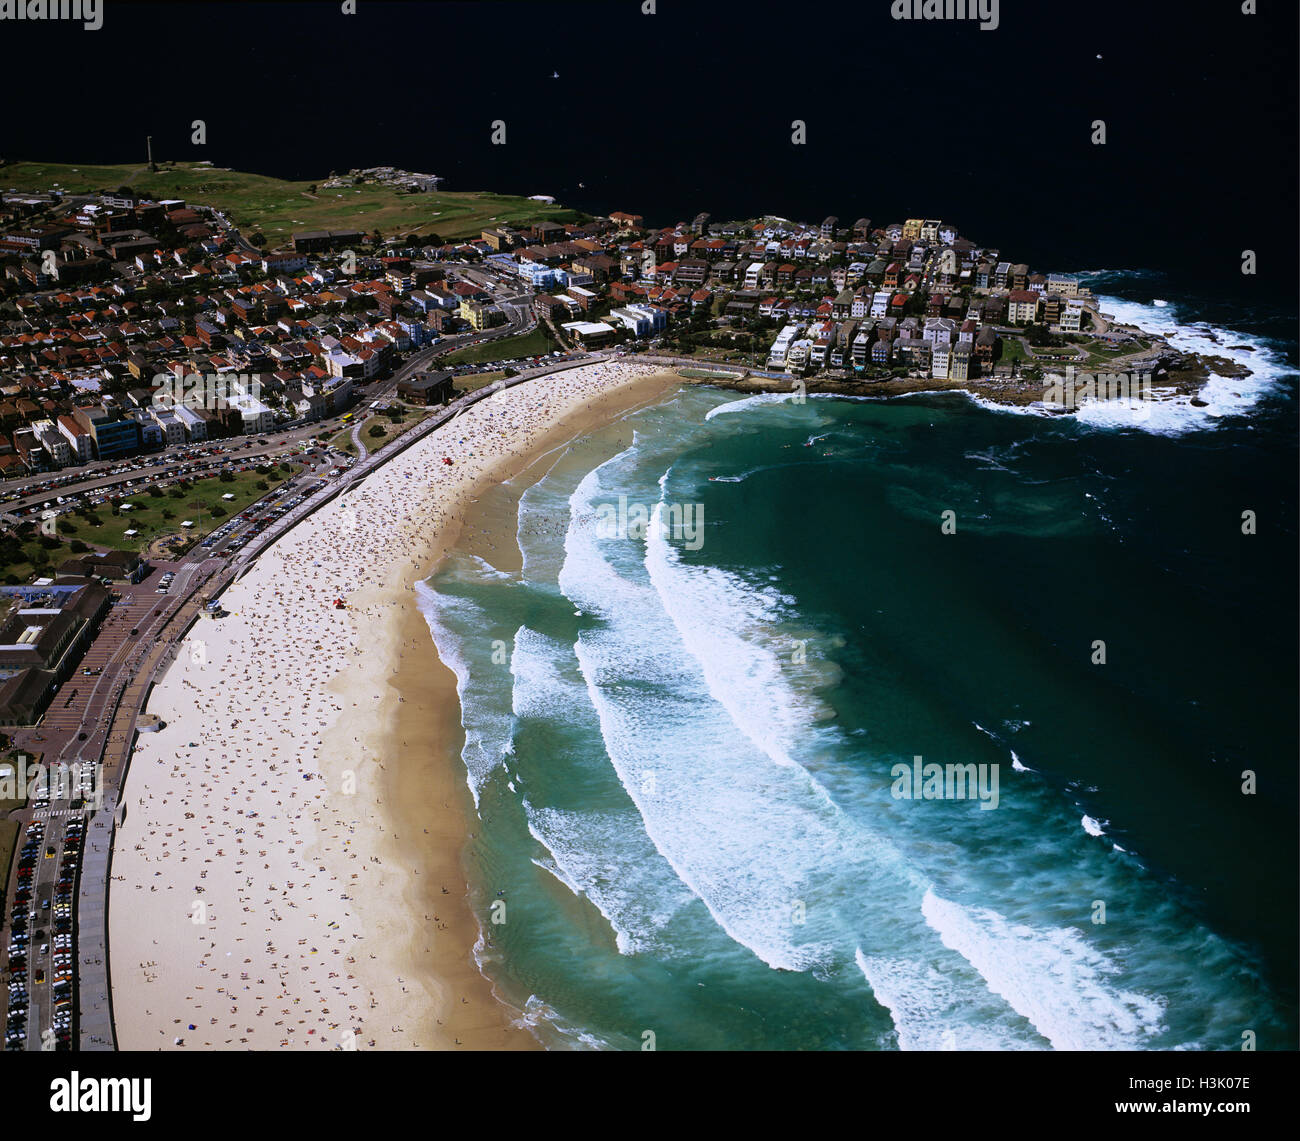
[[289, 873]]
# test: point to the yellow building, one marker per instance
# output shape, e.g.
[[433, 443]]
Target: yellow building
[[959, 365], [912, 229], [479, 314]]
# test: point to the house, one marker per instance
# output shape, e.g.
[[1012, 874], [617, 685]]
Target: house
[[938, 330]]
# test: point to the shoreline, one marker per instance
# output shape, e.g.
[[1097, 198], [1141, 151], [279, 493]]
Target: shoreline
[[272, 786], [428, 703]]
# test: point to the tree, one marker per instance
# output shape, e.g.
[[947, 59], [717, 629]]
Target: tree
[[78, 547], [227, 476], [375, 431], [217, 511]]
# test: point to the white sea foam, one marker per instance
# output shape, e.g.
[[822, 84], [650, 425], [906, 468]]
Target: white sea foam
[[748, 403], [1224, 396], [932, 1011], [1052, 977], [1092, 826], [488, 732], [537, 1014], [540, 690], [732, 630], [608, 859]]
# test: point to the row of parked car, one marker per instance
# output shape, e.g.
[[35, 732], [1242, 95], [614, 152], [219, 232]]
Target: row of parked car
[[57, 969], [265, 511]]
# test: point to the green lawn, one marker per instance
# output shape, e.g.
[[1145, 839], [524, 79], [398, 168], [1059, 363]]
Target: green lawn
[[197, 504], [8, 845], [9, 829], [473, 381], [343, 441], [8, 804], [531, 344], [1013, 349], [410, 418], [277, 208], [1099, 352]]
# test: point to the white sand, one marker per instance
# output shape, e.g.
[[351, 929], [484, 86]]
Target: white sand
[[259, 809]]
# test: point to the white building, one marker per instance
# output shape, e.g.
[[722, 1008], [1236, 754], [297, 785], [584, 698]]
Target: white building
[[54, 443], [940, 357], [196, 428], [173, 427], [939, 330], [780, 350]]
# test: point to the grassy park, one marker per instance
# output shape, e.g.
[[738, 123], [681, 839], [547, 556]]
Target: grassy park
[[149, 516], [276, 208], [531, 344]]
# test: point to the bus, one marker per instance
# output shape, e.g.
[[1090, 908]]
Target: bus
[[347, 416]]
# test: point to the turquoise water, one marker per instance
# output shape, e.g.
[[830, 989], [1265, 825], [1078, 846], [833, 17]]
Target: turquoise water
[[683, 741]]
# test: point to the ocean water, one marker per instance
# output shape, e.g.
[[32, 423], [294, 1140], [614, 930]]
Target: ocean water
[[682, 738]]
